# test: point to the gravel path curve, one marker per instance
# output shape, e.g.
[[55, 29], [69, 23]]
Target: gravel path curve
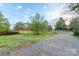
[[59, 45]]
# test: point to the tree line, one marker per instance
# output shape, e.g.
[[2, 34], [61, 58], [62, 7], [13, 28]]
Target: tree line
[[39, 24]]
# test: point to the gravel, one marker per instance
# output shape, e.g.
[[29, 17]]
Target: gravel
[[64, 44]]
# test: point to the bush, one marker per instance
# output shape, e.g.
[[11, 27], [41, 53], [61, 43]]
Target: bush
[[76, 33], [19, 26], [74, 25], [9, 33]]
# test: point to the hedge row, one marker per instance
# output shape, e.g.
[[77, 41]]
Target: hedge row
[[9, 33]]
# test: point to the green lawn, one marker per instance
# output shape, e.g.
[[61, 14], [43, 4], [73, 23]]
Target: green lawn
[[20, 40]]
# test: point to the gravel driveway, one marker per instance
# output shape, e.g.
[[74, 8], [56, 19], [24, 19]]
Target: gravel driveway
[[59, 45]]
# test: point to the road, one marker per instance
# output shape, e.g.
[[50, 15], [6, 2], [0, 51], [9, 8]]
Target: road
[[64, 44]]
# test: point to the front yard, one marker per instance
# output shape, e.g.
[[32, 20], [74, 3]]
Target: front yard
[[21, 40]]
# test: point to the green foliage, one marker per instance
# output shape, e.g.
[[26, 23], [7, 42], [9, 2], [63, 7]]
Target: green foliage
[[44, 26], [38, 24], [60, 25], [75, 26], [19, 26], [4, 24], [49, 28], [19, 40], [74, 7], [22, 26]]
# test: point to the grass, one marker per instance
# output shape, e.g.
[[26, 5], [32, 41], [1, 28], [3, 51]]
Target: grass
[[20, 40]]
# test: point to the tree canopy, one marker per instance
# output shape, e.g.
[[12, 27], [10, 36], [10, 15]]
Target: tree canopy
[[74, 7], [4, 24], [19, 26], [75, 22], [38, 24], [60, 25], [74, 25]]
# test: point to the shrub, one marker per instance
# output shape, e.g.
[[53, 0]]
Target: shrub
[[76, 32], [74, 25], [9, 33]]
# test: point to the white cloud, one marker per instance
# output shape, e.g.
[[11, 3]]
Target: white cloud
[[59, 13], [26, 12], [33, 14], [51, 15], [45, 7], [25, 18], [18, 7], [68, 17], [28, 9]]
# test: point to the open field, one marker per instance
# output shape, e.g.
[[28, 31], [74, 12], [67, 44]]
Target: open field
[[21, 40]]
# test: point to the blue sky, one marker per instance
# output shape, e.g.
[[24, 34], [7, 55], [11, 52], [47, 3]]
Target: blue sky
[[22, 11]]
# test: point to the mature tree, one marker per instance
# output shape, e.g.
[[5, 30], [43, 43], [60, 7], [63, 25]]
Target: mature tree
[[74, 26], [75, 22], [38, 24], [74, 7], [60, 25], [44, 25], [19, 26], [4, 24], [49, 27]]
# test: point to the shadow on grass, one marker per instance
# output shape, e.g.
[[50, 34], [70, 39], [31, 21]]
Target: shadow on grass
[[8, 33]]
